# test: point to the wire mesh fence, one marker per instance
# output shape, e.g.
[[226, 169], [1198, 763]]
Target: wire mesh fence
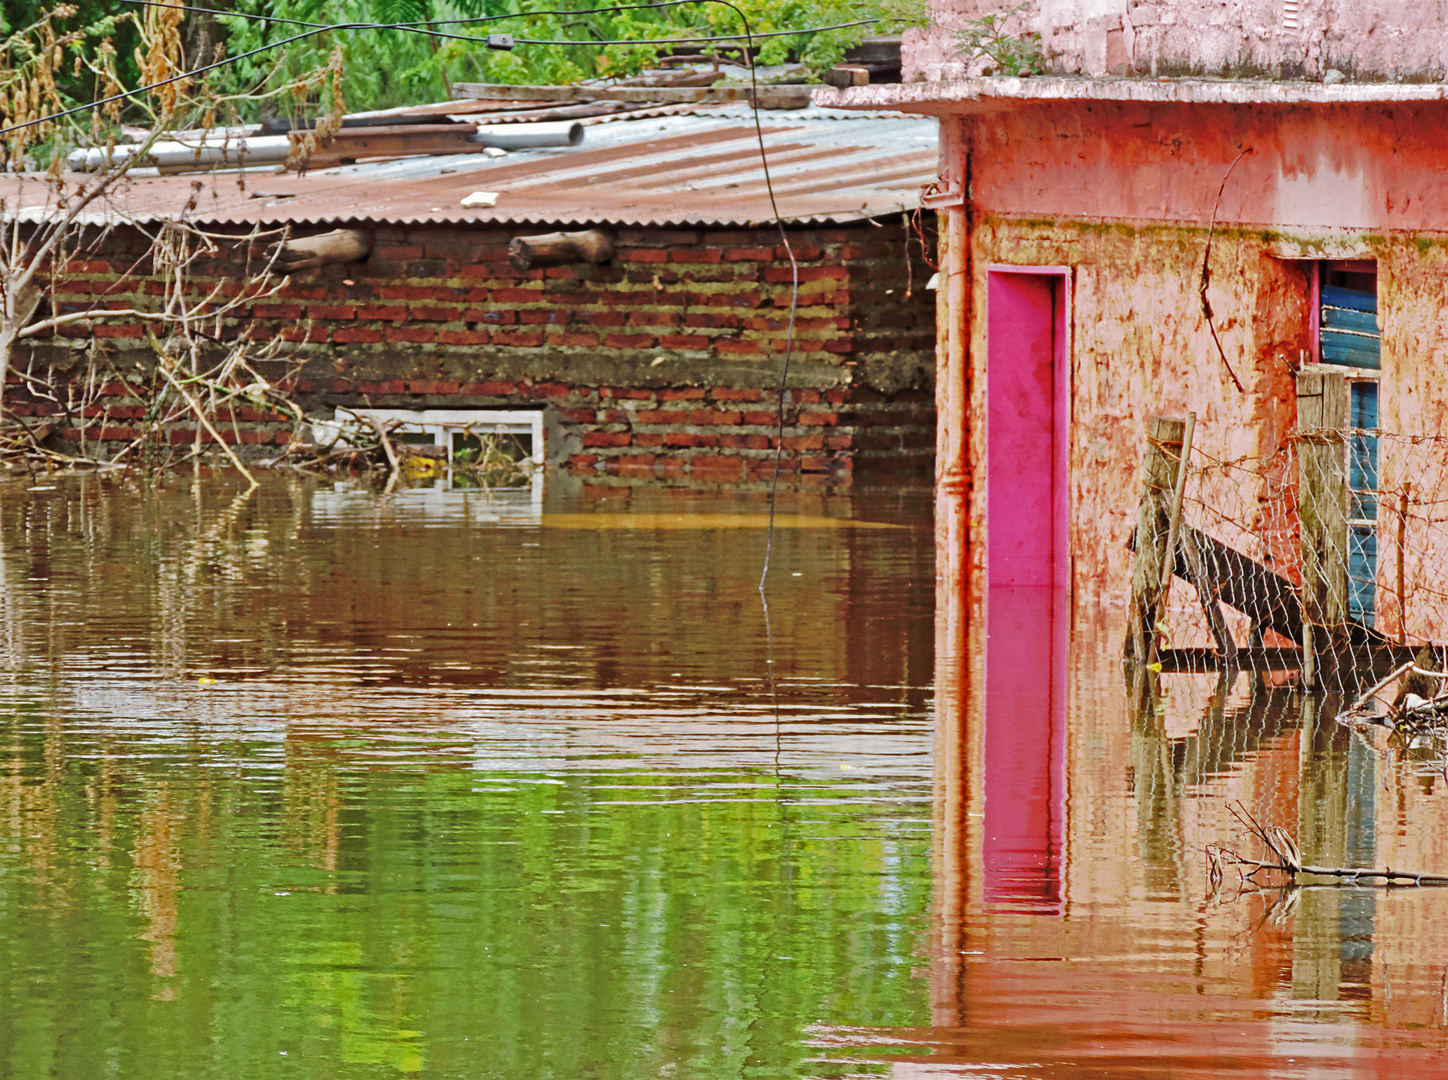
[[1344, 532]]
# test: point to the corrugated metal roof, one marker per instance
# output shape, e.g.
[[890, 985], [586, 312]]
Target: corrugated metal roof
[[682, 168]]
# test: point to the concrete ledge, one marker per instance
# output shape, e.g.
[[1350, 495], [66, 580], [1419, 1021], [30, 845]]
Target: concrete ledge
[[983, 93]]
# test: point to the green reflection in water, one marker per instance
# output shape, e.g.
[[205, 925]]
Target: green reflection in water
[[173, 906]]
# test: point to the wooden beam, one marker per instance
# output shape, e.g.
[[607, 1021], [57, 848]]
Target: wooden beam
[[1153, 523], [337, 246], [394, 140], [587, 245]]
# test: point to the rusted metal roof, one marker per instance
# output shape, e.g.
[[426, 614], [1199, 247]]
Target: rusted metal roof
[[694, 167]]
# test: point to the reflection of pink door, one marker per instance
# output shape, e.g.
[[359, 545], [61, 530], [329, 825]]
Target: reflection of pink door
[[1027, 571]]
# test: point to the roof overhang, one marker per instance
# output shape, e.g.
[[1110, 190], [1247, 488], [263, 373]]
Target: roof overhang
[[990, 93]]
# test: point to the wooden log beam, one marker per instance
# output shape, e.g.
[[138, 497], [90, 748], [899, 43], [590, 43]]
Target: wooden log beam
[[337, 246], [544, 249]]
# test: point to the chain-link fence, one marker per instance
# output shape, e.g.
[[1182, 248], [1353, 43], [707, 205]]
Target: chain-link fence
[[1344, 531]]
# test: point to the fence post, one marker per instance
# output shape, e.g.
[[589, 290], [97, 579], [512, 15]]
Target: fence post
[[1153, 522], [1322, 416]]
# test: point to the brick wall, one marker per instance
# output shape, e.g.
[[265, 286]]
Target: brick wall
[[664, 363]]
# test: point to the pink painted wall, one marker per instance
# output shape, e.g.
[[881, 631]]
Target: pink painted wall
[[1290, 38]]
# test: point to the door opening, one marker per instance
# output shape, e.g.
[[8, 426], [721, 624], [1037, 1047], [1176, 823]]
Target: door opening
[[1028, 573]]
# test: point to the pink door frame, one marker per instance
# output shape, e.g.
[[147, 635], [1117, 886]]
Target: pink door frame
[[1061, 523], [1028, 578]]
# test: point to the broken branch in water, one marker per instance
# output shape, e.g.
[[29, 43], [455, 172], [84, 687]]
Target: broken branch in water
[[1289, 860]]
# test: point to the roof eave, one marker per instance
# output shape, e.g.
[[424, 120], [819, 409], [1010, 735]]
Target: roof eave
[[986, 93]]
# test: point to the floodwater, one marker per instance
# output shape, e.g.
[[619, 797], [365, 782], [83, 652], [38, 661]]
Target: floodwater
[[321, 782]]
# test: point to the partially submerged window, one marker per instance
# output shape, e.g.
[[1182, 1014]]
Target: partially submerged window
[[470, 447]]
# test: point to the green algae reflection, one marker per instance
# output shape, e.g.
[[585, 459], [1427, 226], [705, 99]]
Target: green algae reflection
[[177, 905]]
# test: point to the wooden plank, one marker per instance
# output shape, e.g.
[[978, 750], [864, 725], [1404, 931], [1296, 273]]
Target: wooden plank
[[1322, 499], [1153, 522], [1357, 300], [1364, 322]]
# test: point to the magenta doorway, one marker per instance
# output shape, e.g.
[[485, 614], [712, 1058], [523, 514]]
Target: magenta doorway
[[1028, 576]]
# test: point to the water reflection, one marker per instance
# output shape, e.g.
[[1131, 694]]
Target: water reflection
[[1107, 952], [317, 783]]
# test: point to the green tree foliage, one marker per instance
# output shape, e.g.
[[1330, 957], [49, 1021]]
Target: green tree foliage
[[386, 68]]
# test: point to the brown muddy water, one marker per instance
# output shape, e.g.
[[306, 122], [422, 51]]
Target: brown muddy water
[[326, 783]]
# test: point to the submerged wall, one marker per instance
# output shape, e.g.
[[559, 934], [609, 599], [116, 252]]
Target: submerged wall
[[663, 363], [1129, 198]]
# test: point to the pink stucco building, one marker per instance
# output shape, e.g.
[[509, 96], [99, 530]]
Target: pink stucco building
[[1196, 203], [1200, 206]]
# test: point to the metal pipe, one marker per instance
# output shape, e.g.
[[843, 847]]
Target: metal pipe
[[255, 150], [529, 136], [232, 151]]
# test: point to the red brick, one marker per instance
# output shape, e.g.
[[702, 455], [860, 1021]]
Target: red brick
[[394, 312], [746, 442], [753, 254], [117, 330], [582, 461], [303, 333], [517, 338], [464, 337], [661, 416], [689, 438], [516, 296], [492, 388], [281, 438], [601, 318], [697, 255], [818, 419], [578, 415], [770, 418], [433, 386], [804, 442], [685, 393], [435, 314], [703, 417], [648, 438], [360, 335], [751, 347], [277, 311], [407, 292], [332, 312], [628, 341], [631, 393], [644, 255], [842, 442], [421, 335], [490, 316], [731, 393], [586, 341], [606, 438]]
